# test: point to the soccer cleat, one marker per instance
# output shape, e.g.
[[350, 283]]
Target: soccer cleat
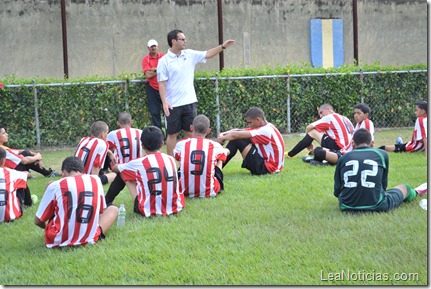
[[422, 189], [307, 159], [53, 175], [286, 155], [319, 163]]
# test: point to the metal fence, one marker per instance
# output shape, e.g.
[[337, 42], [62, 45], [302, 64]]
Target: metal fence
[[290, 102]]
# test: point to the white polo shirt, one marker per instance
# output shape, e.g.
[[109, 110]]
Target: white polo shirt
[[179, 72]]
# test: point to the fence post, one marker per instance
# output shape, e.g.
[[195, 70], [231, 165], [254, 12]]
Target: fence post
[[36, 116], [217, 104], [361, 77], [126, 104], [288, 104]]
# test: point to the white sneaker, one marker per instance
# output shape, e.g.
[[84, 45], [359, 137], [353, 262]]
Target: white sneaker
[[422, 189]]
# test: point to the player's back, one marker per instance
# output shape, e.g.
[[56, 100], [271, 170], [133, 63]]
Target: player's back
[[363, 176], [126, 144], [92, 151], [198, 158], [156, 183], [72, 206]]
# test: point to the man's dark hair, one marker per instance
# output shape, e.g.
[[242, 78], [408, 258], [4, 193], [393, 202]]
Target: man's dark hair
[[152, 138], [2, 153], [422, 104], [173, 35], [2, 126], [254, 113], [363, 107], [201, 124], [72, 164], [362, 136]]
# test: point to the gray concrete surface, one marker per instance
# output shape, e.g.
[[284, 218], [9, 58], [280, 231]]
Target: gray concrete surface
[[108, 37]]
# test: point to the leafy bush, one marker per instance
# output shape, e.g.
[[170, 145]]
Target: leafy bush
[[62, 112]]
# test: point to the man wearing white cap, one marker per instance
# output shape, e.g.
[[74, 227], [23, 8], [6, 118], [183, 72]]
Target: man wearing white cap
[[149, 67]]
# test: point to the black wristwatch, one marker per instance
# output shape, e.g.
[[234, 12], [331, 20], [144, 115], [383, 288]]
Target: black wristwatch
[[222, 47]]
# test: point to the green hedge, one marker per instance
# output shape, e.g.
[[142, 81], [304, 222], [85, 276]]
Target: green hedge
[[66, 108]]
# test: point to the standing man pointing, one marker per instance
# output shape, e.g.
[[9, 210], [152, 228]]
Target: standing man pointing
[[175, 73]]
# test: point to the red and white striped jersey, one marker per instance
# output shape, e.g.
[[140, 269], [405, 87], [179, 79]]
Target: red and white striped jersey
[[420, 132], [270, 146], [156, 184], [337, 127], [368, 125], [10, 181], [92, 151], [72, 206], [13, 158], [198, 158], [126, 144]]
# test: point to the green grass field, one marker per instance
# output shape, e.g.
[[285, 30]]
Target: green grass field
[[282, 229]]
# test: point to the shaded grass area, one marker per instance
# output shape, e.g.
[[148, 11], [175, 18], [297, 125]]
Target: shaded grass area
[[282, 229]]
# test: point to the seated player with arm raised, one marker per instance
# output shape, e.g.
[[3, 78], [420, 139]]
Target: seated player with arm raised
[[261, 144]]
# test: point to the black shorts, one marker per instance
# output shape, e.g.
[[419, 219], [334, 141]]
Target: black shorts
[[329, 143], [218, 174], [254, 162], [103, 178], [102, 235], [136, 206], [180, 118]]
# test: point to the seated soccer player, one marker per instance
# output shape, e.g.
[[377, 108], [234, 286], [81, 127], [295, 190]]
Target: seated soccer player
[[261, 144], [23, 160], [361, 112], [201, 161], [92, 150], [152, 180], [125, 143], [361, 178], [73, 210], [332, 131], [419, 139], [14, 192]]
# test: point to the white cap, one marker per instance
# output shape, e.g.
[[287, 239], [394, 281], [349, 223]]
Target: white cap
[[152, 42]]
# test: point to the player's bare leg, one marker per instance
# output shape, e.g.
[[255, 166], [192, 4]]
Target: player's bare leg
[[171, 141]]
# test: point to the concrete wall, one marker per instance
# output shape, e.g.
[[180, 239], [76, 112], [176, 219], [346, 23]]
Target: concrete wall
[[108, 37]]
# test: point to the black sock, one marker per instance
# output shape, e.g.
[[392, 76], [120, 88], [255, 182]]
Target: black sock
[[302, 144]]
